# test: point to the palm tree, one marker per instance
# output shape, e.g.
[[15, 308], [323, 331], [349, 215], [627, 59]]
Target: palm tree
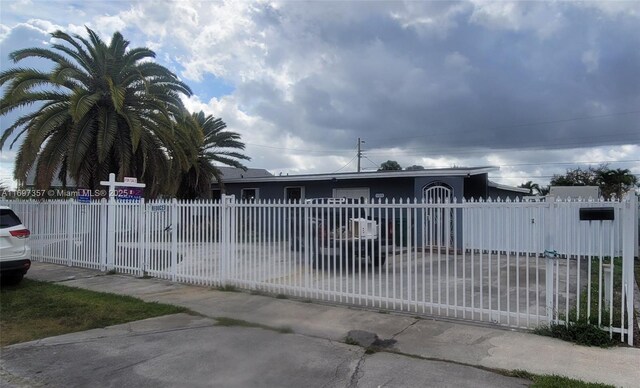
[[614, 184], [102, 108], [216, 146], [531, 187]]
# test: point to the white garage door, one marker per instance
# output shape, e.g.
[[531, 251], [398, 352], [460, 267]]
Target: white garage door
[[353, 193]]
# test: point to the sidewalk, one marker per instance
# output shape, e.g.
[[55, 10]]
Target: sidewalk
[[434, 339]]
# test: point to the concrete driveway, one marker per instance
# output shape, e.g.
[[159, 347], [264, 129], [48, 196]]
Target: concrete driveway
[[191, 351]]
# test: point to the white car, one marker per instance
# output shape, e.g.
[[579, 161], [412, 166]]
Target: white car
[[15, 253]]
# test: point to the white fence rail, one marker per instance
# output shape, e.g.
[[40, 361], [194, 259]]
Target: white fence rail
[[520, 264], [535, 226]]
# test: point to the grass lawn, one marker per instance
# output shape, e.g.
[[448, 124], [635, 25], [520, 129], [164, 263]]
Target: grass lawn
[[33, 310], [554, 381]]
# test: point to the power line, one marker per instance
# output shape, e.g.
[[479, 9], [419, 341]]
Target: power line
[[348, 163], [537, 176], [476, 130], [453, 150], [458, 150], [332, 151], [372, 162], [530, 124], [588, 162]]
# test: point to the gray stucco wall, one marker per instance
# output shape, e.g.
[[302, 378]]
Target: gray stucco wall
[[391, 188], [476, 186], [399, 188]]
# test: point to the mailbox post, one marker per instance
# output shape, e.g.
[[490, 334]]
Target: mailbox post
[[601, 214]]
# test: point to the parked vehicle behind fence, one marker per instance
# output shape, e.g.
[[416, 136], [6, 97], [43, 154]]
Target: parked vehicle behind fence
[[342, 231]]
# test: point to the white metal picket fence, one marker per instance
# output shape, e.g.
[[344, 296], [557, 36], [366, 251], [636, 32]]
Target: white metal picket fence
[[520, 264]]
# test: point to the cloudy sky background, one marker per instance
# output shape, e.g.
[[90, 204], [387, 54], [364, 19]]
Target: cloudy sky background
[[534, 88]]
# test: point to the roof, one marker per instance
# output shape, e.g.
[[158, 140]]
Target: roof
[[508, 188], [456, 171], [231, 173]]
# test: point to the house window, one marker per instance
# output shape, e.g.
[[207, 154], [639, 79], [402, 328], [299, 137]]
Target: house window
[[216, 194], [249, 194], [294, 193]]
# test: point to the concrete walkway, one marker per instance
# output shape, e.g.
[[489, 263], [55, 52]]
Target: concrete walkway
[[432, 339]]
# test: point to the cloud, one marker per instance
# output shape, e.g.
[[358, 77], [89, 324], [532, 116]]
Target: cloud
[[544, 19], [430, 83], [590, 60]]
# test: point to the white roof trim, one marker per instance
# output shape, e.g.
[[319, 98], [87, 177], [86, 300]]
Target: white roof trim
[[509, 188], [370, 175]]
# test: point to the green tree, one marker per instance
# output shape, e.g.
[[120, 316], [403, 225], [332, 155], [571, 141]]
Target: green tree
[[415, 167], [102, 108], [576, 177], [616, 183], [390, 165], [612, 183], [215, 146]]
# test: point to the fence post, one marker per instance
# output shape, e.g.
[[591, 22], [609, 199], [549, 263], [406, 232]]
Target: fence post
[[550, 258], [111, 232], [141, 237], [174, 239], [70, 228], [231, 242], [103, 234], [635, 210], [223, 239], [223, 233], [308, 248], [628, 241], [226, 224]]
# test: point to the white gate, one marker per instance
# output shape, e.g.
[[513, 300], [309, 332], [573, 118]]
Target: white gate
[[438, 222]]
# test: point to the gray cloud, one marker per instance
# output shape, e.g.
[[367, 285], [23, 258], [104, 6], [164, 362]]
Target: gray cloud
[[512, 90], [422, 82]]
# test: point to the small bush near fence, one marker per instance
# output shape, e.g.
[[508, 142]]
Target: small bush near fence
[[582, 333], [587, 327]]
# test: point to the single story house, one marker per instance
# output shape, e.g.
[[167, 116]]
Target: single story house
[[437, 185], [433, 184]]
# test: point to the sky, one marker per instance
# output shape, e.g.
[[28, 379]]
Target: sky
[[534, 88]]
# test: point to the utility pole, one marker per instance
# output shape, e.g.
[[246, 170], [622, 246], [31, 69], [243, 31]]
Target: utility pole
[[359, 152]]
